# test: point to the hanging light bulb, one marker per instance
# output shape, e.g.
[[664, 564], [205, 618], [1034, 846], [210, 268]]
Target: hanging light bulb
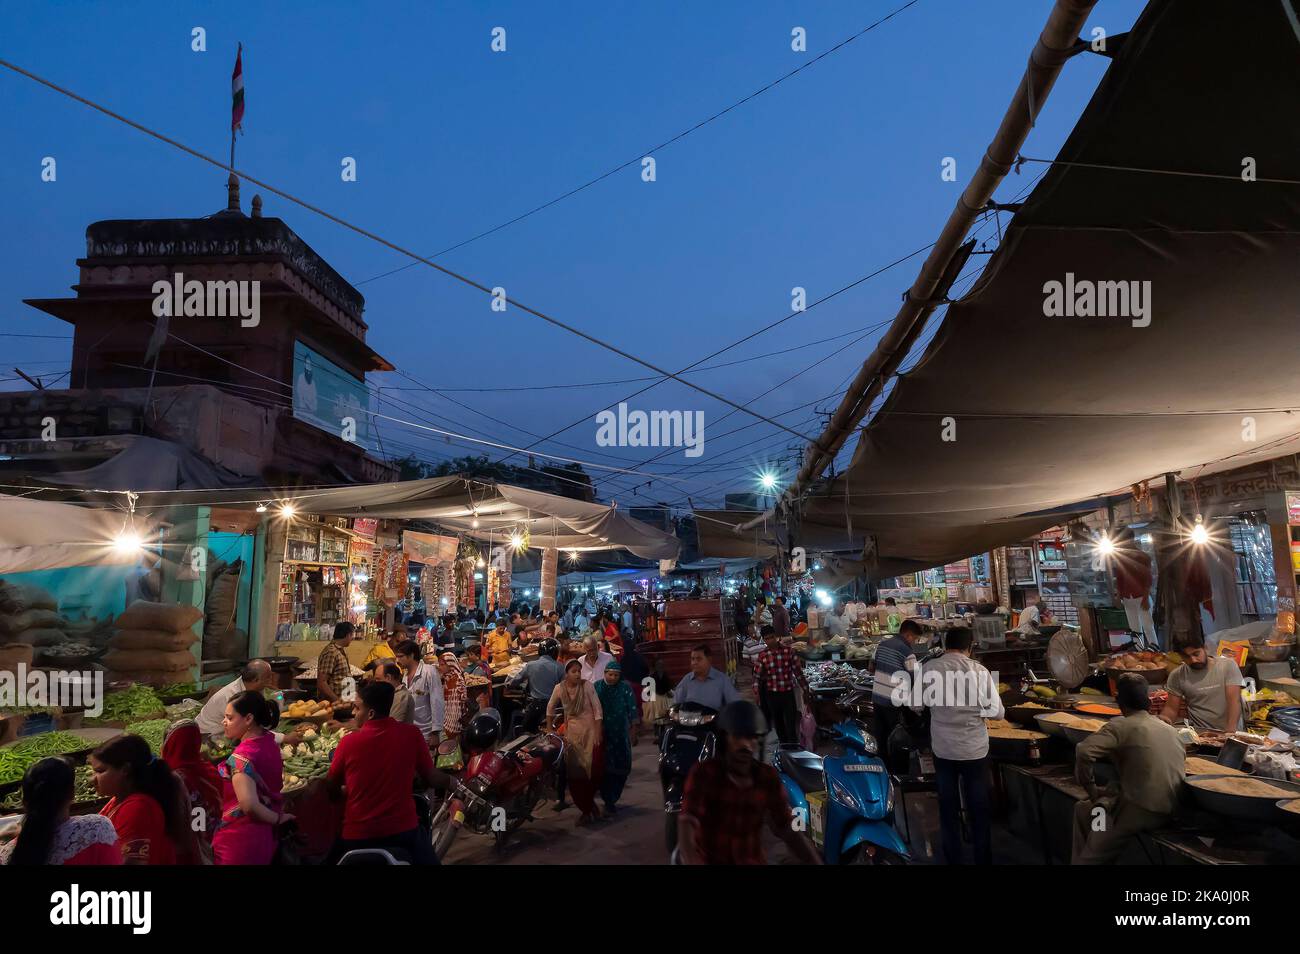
[[573, 555], [1200, 535], [128, 541], [287, 509], [767, 480], [261, 508], [474, 522], [1105, 545], [480, 561], [516, 541]]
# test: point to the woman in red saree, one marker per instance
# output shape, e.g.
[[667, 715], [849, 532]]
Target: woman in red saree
[[251, 780], [50, 835], [182, 750], [147, 803]]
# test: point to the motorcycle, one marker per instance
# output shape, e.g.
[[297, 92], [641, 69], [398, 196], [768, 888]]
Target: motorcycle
[[688, 738], [848, 799], [498, 789]]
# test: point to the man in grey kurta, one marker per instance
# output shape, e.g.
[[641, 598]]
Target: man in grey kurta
[[1149, 759]]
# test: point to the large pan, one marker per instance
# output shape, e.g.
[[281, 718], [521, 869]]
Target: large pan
[[1244, 807]]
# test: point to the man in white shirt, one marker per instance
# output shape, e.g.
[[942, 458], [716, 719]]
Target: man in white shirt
[[424, 683], [961, 694], [581, 622], [255, 677], [594, 660], [1030, 618], [837, 622]]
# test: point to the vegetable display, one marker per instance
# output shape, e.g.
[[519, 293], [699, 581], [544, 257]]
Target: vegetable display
[[83, 790], [178, 689], [15, 759], [310, 758], [128, 705], [151, 731]]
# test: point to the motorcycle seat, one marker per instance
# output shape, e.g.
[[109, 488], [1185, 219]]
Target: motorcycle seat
[[804, 767]]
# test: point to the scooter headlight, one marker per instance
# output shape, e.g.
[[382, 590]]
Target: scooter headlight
[[869, 743], [846, 798]]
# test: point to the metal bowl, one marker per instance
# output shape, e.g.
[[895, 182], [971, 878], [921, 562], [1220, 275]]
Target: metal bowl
[[1245, 807], [1271, 651], [1051, 728]]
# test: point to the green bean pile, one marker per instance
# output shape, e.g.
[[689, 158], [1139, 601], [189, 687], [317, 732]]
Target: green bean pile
[[151, 731], [128, 705], [15, 759], [83, 790]]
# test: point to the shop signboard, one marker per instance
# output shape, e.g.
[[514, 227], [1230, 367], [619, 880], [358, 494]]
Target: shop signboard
[[330, 398]]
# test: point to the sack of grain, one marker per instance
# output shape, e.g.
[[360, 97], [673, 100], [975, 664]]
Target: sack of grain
[[41, 637], [124, 659], [152, 639], [19, 598], [170, 617], [151, 677], [12, 656], [39, 618], [220, 605]]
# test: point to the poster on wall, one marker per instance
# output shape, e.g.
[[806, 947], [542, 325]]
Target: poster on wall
[[330, 398]]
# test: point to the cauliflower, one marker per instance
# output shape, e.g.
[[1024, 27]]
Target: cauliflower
[[309, 735], [302, 749], [286, 751]]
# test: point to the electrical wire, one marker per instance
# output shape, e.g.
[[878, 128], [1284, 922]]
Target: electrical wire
[[650, 152], [365, 233]]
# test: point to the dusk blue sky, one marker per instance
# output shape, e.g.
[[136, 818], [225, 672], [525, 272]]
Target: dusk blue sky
[[815, 183]]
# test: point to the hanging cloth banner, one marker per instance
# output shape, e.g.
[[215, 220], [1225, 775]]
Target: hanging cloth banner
[[550, 563], [429, 548]]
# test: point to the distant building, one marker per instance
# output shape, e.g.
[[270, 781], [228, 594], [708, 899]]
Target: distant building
[[269, 394]]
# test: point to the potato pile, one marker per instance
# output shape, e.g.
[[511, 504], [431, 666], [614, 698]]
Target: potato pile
[[1132, 662], [308, 709]]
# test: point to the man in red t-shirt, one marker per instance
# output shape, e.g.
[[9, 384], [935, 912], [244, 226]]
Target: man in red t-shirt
[[728, 799], [374, 768]]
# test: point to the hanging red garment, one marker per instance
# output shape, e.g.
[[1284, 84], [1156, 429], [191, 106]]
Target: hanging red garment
[[1131, 566]]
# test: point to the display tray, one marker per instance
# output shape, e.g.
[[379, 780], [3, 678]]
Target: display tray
[[1243, 807]]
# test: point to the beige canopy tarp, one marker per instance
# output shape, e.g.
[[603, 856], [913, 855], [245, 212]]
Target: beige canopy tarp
[[484, 511], [45, 535]]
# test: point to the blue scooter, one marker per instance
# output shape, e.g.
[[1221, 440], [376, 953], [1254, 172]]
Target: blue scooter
[[858, 811]]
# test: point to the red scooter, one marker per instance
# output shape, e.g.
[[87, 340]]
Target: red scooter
[[499, 788]]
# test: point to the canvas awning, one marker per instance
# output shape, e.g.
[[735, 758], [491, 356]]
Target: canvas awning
[[45, 535], [485, 511], [1012, 411]]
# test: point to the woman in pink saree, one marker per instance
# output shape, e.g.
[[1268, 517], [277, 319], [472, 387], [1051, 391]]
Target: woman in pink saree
[[251, 780]]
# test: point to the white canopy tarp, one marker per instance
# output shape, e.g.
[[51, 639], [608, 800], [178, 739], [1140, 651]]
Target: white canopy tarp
[[44, 535]]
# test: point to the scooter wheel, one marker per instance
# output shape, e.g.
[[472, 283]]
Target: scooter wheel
[[670, 831], [881, 856]]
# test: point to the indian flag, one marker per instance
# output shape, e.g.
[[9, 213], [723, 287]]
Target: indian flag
[[237, 92]]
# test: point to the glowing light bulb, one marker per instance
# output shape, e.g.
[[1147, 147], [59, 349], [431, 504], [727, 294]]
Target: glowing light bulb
[[1105, 545], [573, 554], [261, 508], [128, 541], [768, 481], [287, 509], [516, 541], [1200, 535]]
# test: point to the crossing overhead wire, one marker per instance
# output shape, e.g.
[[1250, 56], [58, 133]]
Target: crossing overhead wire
[[650, 152], [372, 236]]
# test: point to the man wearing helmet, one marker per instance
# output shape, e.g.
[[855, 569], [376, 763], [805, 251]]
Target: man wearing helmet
[[728, 799]]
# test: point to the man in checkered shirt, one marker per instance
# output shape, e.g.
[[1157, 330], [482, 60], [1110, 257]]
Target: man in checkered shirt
[[776, 673]]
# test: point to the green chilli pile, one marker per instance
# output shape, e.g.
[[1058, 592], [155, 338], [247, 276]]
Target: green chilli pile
[[15, 759]]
